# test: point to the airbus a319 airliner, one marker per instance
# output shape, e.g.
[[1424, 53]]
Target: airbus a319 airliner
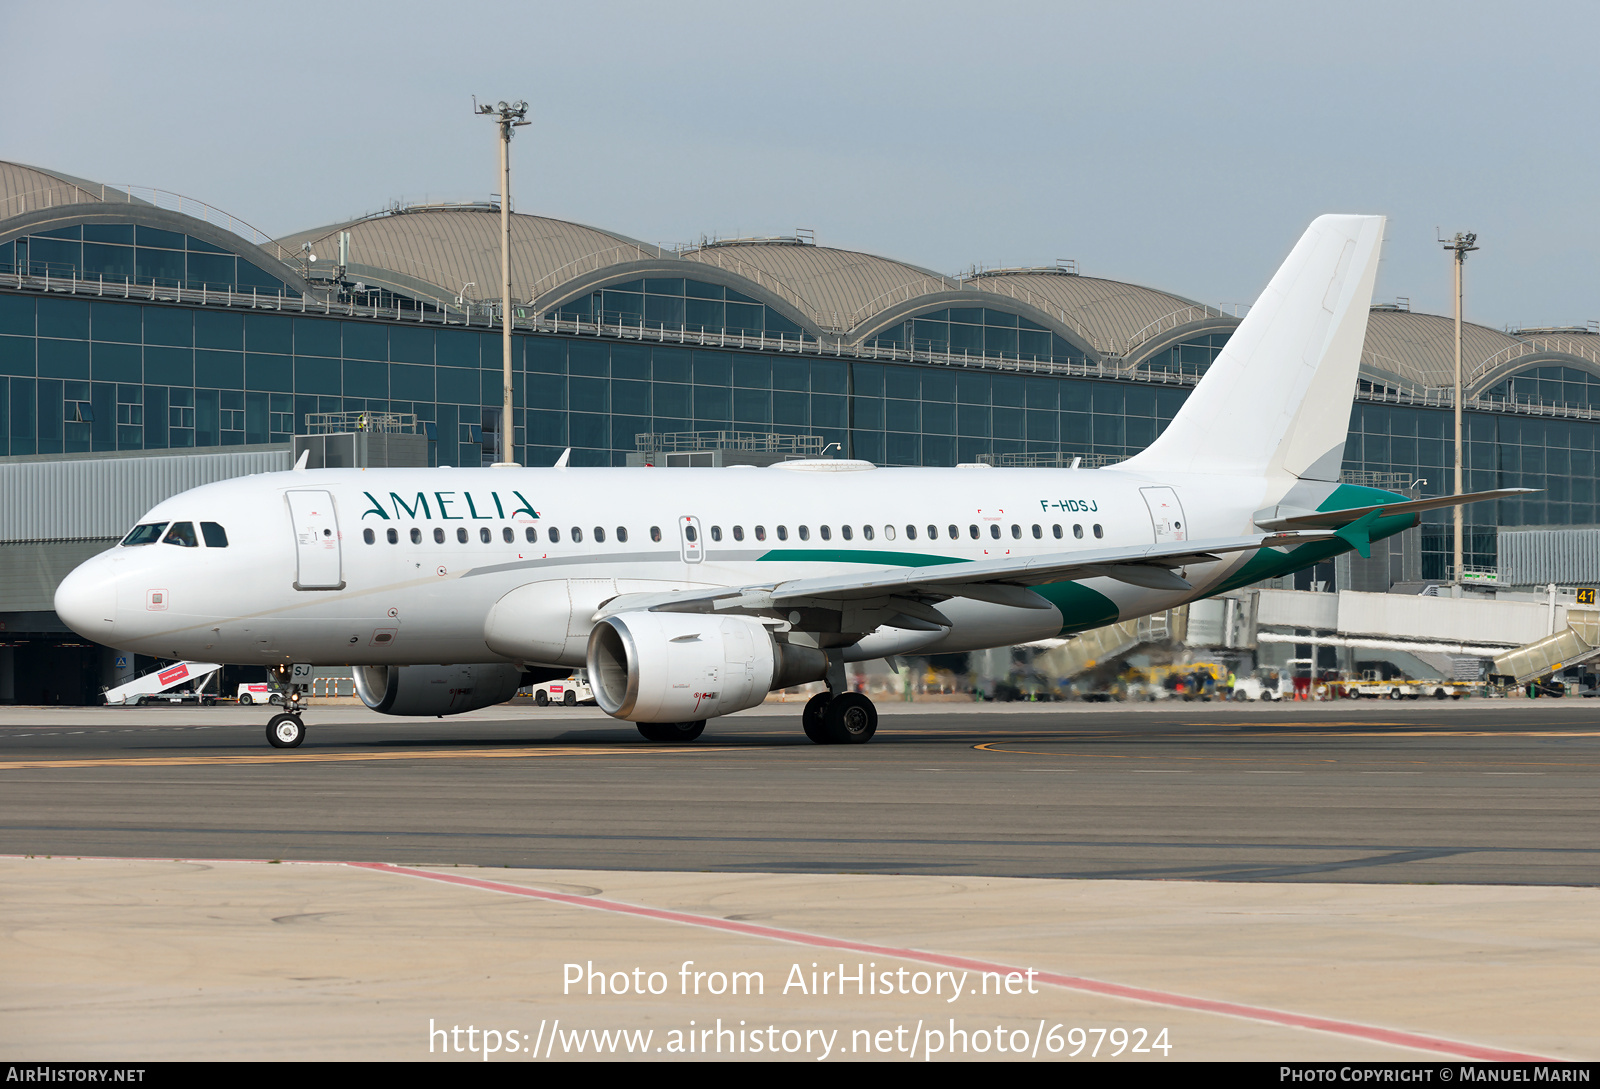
[[692, 593]]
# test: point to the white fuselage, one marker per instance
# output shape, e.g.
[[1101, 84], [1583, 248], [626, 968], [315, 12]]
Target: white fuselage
[[310, 573]]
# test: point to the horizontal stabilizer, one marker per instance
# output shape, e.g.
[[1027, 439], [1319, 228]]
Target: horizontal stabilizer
[[1287, 518]]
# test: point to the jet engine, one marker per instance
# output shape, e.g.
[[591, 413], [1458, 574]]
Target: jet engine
[[683, 667], [435, 690]]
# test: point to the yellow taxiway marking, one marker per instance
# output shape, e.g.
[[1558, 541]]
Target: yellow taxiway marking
[[993, 746], [340, 757]]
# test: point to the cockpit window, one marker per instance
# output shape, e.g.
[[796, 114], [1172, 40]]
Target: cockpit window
[[149, 533], [181, 533], [215, 535]]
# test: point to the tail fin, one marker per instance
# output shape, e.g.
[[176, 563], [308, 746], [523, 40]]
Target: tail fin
[[1277, 399]]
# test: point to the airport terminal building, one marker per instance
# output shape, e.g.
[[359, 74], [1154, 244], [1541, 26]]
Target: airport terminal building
[[135, 323]]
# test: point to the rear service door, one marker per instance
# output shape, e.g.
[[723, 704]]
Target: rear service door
[[1166, 515], [316, 534], [691, 539]]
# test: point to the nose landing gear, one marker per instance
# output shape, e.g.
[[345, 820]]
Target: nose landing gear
[[286, 731]]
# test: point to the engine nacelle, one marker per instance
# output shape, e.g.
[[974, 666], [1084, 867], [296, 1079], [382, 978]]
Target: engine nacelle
[[435, 690], [681, 667]]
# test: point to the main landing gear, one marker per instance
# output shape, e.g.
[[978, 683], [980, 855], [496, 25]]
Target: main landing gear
[[671, 731], [846, 719]]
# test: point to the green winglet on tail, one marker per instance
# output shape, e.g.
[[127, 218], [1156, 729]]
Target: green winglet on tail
[[1358, 534]]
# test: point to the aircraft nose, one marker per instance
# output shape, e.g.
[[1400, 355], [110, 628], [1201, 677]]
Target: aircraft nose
[[86, 600]]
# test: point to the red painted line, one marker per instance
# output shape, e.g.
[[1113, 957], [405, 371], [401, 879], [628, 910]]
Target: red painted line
[[1170, 999]]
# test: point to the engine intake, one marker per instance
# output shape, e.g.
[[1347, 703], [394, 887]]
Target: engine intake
[[682, 667], [435, 690]]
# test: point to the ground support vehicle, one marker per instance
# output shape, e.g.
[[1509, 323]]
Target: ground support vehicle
[[259, 692], [569, 692]]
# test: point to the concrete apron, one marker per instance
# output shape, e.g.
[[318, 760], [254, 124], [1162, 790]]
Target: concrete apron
[[127, 960]]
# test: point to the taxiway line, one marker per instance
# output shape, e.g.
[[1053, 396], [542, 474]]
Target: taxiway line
[[1171, 999], [343, 757]]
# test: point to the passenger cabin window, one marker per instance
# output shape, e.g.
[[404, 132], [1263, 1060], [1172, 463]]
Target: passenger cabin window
[[531, 534], [483, 534], [716, 533], [783, 533], [181, 533], [149, 533], [1056, 529], [845, 532], [1098, 532], [1077, 531], [416, 535], [956, 533], [827, 534], [461, 534], [438, 535], [215, 535], [866, 531], [599, 535], [761, 533], [622, 534], [555, 535], [690, 534], [994, 530], [738, 533], [655, 534], [577, 535], [393, 535], [1038, 531], [805, 533], [368, 536], [911, 533], [1016, 532], [506, 534]]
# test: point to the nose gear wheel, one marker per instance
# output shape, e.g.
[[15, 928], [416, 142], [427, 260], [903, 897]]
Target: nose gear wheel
[[286, 731]]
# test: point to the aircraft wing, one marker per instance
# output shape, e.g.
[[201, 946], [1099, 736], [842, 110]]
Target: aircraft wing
[[1002, 581]]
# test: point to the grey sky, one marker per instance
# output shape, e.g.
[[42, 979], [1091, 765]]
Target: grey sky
[[1179, 145]]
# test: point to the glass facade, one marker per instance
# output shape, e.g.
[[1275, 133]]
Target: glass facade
[[1193, 356], [677, 303], [122, 253], [1557, 456], [595, 395], [1550, 386], [978, 331]]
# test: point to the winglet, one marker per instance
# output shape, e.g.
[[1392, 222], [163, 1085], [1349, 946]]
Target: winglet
[[305, 456], [1358, 534], [561, 462]]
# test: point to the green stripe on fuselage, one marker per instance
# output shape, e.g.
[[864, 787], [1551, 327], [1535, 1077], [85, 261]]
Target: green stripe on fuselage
[[858, 555], [1081, 608]]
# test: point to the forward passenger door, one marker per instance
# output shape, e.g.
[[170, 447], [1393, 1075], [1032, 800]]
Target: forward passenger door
[[316, 532]]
